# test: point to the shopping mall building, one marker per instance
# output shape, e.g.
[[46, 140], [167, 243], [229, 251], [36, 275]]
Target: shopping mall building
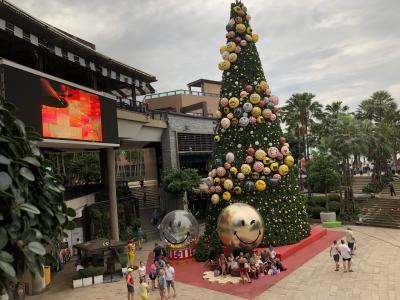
[[85, 104]]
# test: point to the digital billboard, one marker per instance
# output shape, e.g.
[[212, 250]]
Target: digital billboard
[[60, 111]]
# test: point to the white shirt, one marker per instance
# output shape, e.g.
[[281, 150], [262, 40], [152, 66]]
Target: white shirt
[[334, 250], [345, 251], [142, 271], [169, 273], [349, 236], [258, 262]]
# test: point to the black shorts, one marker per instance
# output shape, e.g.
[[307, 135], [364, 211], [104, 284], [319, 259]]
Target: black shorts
[[351, 245], [170, 283], [336, 257], [152, 277], [130, 289], [346, 259]]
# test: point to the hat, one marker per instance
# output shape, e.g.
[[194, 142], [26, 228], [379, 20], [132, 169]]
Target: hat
[[130, 270]]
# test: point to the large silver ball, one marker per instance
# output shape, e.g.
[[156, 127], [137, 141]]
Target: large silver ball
[[179, 226]]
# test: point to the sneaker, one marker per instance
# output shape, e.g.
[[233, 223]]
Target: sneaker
[[351, 271], [336, 269]]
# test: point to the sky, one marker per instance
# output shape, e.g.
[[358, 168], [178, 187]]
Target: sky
[[338, 49]]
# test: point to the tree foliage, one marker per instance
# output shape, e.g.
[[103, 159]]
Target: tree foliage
[[179, 181], [33, 214]]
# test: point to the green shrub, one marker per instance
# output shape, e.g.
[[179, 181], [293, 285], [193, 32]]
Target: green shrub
[[372, 188], [334, 206], [314, 211], [77, 275], [319, 200], [334, 197], [123, 259]]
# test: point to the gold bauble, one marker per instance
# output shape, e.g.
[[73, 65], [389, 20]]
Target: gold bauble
[[240, 226], [256, 111], [283, 170], [237, 190], [261, 185], [232, 57], [264, 85], [267, 160], [260, 119], [228, 184], [231, 46], [254, 37], [249, 30], [218, 114], [222, 49], [217, 138], [233, 102], [245, 169], [274, 166], [226, 196], [215, 199], [289, 160], [224, 65], [233, 170], [240, 28], [260, 154], [255, 98]]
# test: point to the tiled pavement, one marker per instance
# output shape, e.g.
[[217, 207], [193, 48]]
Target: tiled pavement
[[376, 276]]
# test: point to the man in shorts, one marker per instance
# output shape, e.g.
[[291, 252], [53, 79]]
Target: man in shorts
[[130, 284], [345, 252], [350, 238], [170, 277], [335, 254]]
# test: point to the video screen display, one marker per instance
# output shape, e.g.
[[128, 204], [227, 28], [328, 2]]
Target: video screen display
[[59, 111]]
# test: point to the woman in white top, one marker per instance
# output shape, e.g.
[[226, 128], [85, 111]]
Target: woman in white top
[[142, 271], [345, 252], [335, 254]]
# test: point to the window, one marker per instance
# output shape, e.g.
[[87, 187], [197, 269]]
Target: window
[[64, 53], [76, 58], [26, 36], [189, 142], [10, 27]]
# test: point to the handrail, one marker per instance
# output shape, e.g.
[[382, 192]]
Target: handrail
[[179, 92]]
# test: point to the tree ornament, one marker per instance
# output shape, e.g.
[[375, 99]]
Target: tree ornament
[[243, 94], [255, 98], [224, 102], [232, 57], [217, 138], [228, 184], [230, 46], [248, 17], [274, 166], [233, 102], [243, 43], [260, 119], [236, 9], [249, 159], [260, 154], [249, 186], [283, 170], [237, 190], [282, 140], [249, 30], [215, 199], [238, 112], [247, 107], [252, 120], [217, 180], [231, 34], [221, 171], [274, 100], [230, 157], [218, 114], [248, 88], [224, 65], [255, 175], [238, 20], [234, 121], [222, 49], [230, 116], [248, 38], [227, 165], [245, 169], [243, 121], [256, 111], [213, 173], [233, 170], [226, 110], [289, 161], [218, 188], [261, 185], [240, 28], [258, 166], [225, 123], [238, 50], [240, 176], [277, 177], [285, 150], [266, 171], [267, 113], [250, 151], [254, 37], [273, 117]]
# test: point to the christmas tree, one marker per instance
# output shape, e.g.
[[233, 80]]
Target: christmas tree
[[252, 162]]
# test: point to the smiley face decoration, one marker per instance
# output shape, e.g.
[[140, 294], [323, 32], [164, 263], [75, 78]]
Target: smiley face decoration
[[179, 227], [240, 227]]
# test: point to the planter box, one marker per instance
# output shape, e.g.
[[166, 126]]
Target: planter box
[[98, 279], [77, 283], [87, 281], [327, 216]]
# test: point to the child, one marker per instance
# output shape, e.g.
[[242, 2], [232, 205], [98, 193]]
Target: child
[[142, 271], [222, 264], [130, 284], [153, 276], [335, 254], [162, 284], [143, 289]]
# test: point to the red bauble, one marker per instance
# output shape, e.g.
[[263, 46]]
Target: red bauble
[[282, 140], [280, 156], [250, 151], [248, 88]]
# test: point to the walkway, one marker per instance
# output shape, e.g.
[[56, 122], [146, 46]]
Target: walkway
[[375, 276]]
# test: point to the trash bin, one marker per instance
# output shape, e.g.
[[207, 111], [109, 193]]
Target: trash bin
[[47, 274]]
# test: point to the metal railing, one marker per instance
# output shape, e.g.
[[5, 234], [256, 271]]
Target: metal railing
[[179, 92], [132, 105]]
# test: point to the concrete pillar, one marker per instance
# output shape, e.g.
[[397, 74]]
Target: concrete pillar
[[112, 193]]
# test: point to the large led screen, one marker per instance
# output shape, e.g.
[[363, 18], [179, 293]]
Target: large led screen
[[61, 111]]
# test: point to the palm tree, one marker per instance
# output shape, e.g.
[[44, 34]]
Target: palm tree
[[299, 114], [378, 107]]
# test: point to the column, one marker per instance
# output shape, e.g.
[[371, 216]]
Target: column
[[112, 193]]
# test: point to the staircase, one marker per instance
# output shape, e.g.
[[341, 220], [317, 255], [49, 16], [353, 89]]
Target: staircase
[[149, 200], [382, 212], [359, 182], [386, 191]]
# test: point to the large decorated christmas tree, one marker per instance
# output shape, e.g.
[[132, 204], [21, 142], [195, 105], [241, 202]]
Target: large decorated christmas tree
[[252, 162]]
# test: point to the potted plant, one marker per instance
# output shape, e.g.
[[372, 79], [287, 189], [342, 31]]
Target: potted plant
[[324, 176], [98, 275], [77, 280], [87, 277]]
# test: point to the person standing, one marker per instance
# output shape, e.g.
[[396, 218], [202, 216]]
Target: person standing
[[350, 238], [392, 191], [222, 262], [157, 251], [143, 289], [170, 277], [335, 254], [142, 271], [130, 284], [153, 276], [162, 282], [131, 253], [140, 236], [345, 252], [243, 268]]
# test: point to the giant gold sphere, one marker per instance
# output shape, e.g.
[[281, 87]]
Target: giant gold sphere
[[240, 227]]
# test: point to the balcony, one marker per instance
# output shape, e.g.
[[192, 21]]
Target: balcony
[[179, 92]]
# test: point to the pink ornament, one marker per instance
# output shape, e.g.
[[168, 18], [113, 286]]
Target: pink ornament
[[285, 150], [231, 34], [225, 55], [243, 43], [274, 99], [212, 189], [248, 17], [240, 176], [224, 102], [238, 39], [266, 171], [258, 166], [241, 13], [279, 156], [272, 152], [276, 108], [250, 151], [218, 189], [252, 120], [238, 49], [248, 88], [261, 103], [282, 140], [286, 144], [248, 37], [267, 113], [227, 165], [277, 176], [221, 171], [243, 94], [249, 159], [221, 182], [231, 21]]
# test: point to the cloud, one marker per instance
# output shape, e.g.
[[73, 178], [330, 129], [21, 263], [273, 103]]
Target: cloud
[[338, 50]]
